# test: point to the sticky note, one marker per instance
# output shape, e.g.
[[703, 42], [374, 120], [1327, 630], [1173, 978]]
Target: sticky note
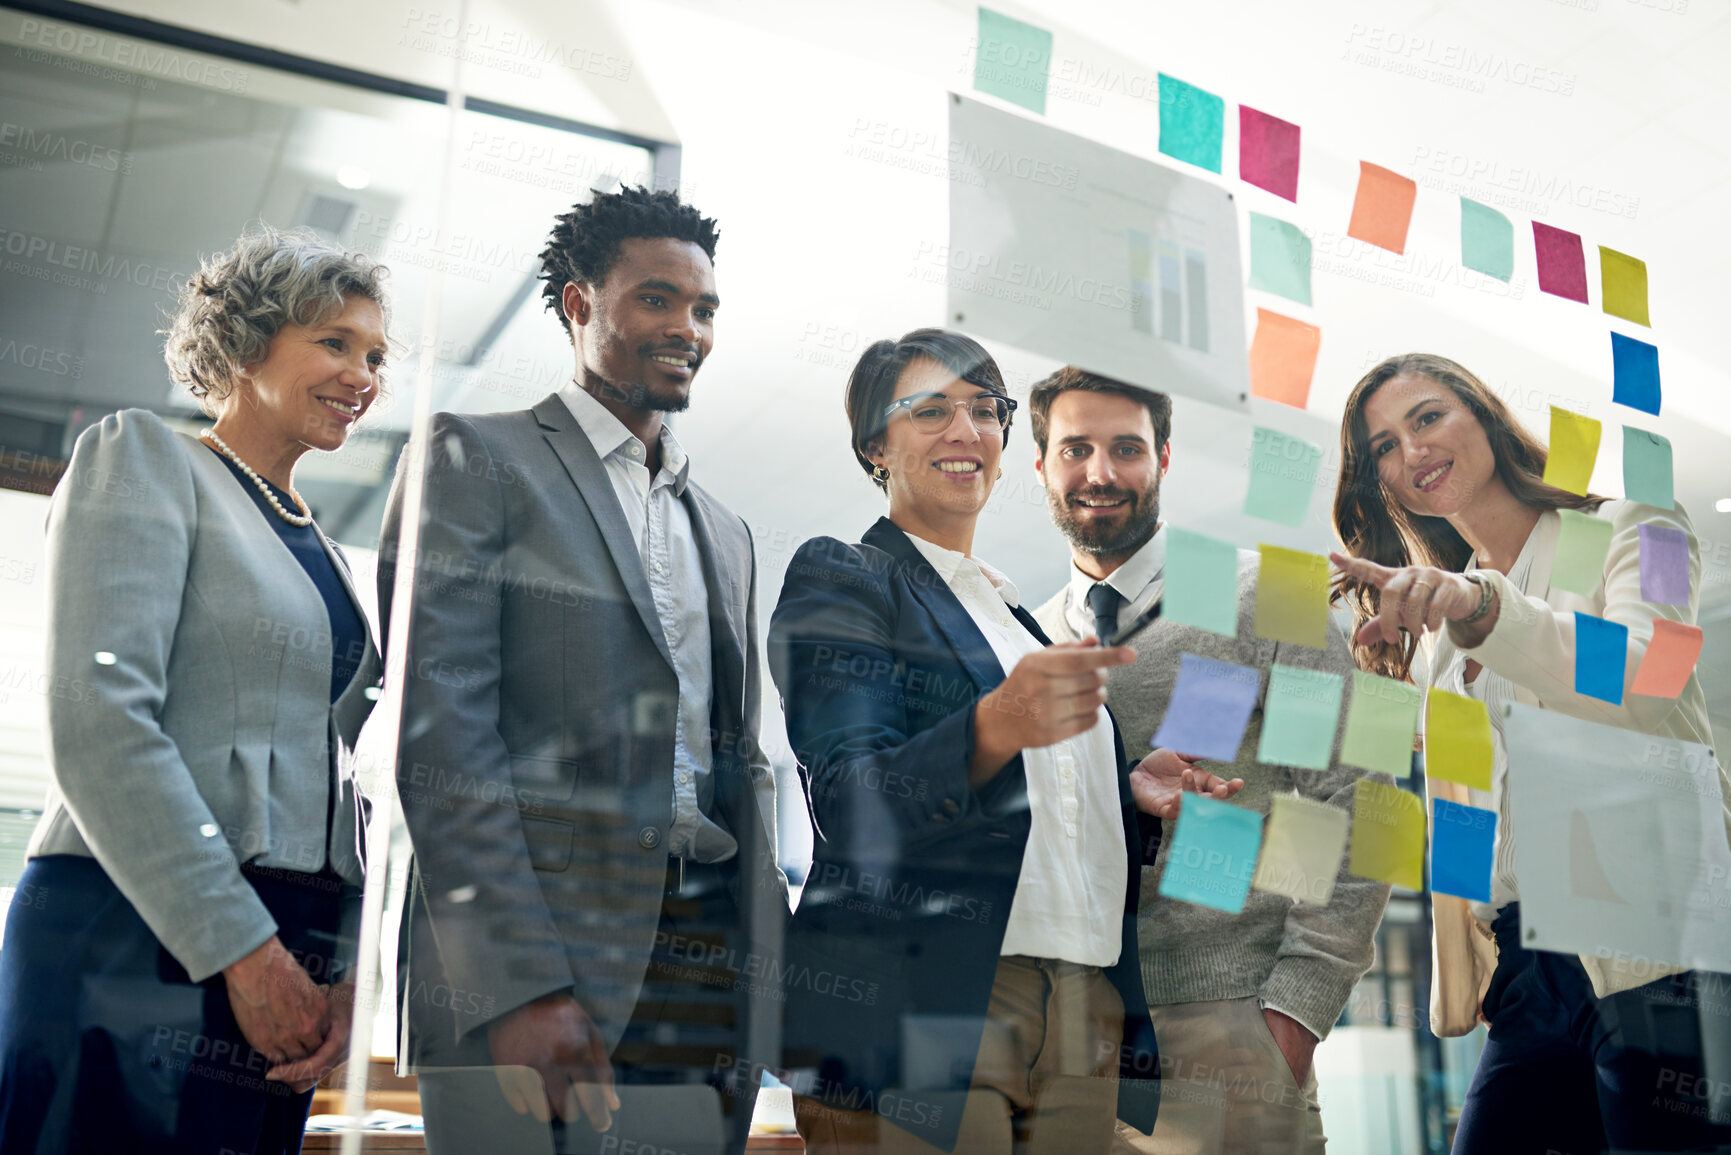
[[1279, 258], [1635, 374], [1192, 123], [1487, 240], [1574, 449], [1562, 268], [1601, 657], [1282, 476], [1670, 659], [1623, 283], [1301, 848], [1213, 855], [1201, 582], [1013, 60], [1299, 717], [1380, 723], [1209, 709], [1462, 846], [1457, 740], [1387, 835], [1579, 565], [1383, 207], [1292, 597], [1664, 565], [1647, 468], [1268, 152], [1283, 358]]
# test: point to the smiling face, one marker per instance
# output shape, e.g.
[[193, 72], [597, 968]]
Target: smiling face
[[315, 380], [642, 334], [1427, 447], [1101, 472], [943, 477]]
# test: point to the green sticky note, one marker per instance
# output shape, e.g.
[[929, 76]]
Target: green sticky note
[[1299, 716], [1380, 724], [1487, 240], [1457, 740], [1282, 476], [1201, 582], [1579, 566], [1624, 281], [1013, 60], [1279, 258], [1647, 468], [1301, 848], [1192, 123], [1292, 596], [1387, 835], [1213, 855]]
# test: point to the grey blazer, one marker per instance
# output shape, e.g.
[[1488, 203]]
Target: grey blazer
[[190, 726], [536, 765]]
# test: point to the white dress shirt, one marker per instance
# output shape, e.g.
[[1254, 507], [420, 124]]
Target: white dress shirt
[[1069, 902], [661, 527], [1139, 581]]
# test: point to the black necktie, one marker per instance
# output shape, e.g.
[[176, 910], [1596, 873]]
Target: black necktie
[[1104, 601]]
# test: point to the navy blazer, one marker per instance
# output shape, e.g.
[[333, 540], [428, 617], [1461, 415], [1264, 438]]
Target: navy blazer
[[900, 925]]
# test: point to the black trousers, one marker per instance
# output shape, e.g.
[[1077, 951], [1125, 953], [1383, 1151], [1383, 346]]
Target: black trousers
[[1565, 1073], [106, 1045]]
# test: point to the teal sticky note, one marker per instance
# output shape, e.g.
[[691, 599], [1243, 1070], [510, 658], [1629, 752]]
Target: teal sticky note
[[1579, 565], [1213, 855], [1647, 468], [1380, 724], [1013, 60], [1283, 472], [1192, 123], [1279, 258], [1201, 582], [1299, 716], [1487, 240]]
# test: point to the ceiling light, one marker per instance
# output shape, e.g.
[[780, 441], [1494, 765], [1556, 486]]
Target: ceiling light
[[354, 176], [1723, 505]]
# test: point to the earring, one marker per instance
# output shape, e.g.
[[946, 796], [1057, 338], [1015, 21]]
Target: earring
[[1000, 476], [879, 473]]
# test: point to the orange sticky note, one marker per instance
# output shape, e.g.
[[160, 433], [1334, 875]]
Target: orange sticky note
[[1457, 739], [1283, 358], [1387, 835], [1383, 207], [1669, 661], [1574, 449]]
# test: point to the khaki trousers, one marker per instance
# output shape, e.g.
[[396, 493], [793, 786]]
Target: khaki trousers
[[1045, 1080], [1225, 1087]]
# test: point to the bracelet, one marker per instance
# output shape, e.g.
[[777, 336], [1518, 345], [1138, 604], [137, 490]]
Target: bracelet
[[1487, 592]]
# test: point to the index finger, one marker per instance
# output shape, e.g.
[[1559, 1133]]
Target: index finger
[[1362, 568]]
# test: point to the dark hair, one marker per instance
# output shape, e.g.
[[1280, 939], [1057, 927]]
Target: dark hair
[[1159, 405], [872, 384], [1372, 523], [585, 242]]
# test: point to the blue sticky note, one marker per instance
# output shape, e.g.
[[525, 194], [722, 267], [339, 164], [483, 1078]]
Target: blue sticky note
[[1279, 258], [1635, 374], [1299, 717], [1601, 656], [1013, 60], [1213, 855], [1664, 565], [1283, 472], [1647, 468], [1192, 123], [1462, 847], [1209, 709]]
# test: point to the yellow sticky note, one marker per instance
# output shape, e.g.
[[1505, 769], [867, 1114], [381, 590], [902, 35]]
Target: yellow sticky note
[[1301, 849], [1574, 449], [1387, 835], [1292, 597], [1624, 281], [1457, 740]]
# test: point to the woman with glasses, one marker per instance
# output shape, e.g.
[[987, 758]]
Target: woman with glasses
[[961, 971]]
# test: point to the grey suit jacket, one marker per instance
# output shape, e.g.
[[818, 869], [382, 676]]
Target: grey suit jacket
[[536, 767], [190, 727]]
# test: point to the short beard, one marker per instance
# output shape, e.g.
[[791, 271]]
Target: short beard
[[639, 396], [1137, 529]]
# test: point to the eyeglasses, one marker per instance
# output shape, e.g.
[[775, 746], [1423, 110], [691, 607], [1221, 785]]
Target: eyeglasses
[[933, 412]]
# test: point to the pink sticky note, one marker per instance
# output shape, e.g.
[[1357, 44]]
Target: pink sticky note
[[1562, 266], [1268, 152], [1664, 565], [1669, 661]]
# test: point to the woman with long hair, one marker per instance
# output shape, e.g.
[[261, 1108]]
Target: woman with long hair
[[1452, 535]]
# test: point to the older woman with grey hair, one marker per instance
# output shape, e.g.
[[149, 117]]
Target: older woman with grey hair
[[175, 953]]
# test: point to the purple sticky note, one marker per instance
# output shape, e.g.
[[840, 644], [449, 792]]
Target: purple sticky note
[[1268, 152], [1562, 265], [1664, 565], [1209, 708]]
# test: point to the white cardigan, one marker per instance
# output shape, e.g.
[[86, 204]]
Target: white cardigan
[[1533, 646]]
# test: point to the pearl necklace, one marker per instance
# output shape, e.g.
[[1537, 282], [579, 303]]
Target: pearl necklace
[[303, 520]]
